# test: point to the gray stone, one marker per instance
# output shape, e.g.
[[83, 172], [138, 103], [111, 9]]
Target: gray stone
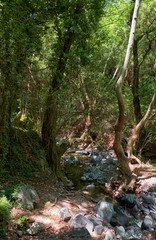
[[148, 199], [130, 200], [99, 229], [122, 211], [135, 212], [119, 220], [90, 186], [27, 197], [65, 214], [81, 221], [153, 215], [147, 223], [144, 210], [152, 207], [79, 234], [121, 232], [104, 210], [35, 228], [96, 221], [109, 235]]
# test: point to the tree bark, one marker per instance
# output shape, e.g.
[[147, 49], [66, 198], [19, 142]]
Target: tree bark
[[135, 92], [135, 86], [123, 159], [137, 129], [49, 126]]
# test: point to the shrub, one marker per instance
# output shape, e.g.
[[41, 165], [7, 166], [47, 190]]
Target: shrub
[[4, 214]]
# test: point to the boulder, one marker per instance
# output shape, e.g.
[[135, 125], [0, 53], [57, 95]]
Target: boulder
[[153, 214], [104, 210], [120, 232], [90, 186], [65, 214], [147, 223], [27, 197], [109, 235], [96, 221], [79, 234], [35, 228], [148, 199], [130, 200], [119, 220], [81, 221], [99, 229], [145, 210]]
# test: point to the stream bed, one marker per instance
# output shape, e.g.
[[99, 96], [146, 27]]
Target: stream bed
[[131, 217]]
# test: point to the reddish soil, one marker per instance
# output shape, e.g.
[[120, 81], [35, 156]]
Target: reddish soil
[[53, 197]]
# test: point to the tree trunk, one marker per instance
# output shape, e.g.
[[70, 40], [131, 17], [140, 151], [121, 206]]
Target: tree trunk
[[135, 87], [49, 132], [137, 129], [88, 117], [135, 92], [124, 160], [49, 126]]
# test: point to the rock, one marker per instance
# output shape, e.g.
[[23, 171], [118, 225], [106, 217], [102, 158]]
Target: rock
[[147, 223], [35, 228], [27, 197], [82, 152], [90, 186], [104, 210], [109, 235], [130, 200], [153, 215], [119, 220], [65, 214], [96, 221], [148, 199], [120, 210], [144, 210], [99, 229], [152, 207], [79, 234], [121, 232], [135, 212], [81, 221]]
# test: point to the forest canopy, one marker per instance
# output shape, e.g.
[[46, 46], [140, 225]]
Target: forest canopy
[[59, 63]]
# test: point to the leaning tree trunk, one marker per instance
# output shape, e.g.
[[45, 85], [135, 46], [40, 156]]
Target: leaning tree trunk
[[123, 159], [137, 129], [90, 106]]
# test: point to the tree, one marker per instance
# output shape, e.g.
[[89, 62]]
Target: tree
[[123, 159], [127, 163], [144, 39], [19, 36], [72, 22]]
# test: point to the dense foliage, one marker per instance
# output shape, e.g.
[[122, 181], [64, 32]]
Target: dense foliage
[[59, 61]]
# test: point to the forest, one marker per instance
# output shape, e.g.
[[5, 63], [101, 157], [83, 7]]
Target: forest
[[77, 119]]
